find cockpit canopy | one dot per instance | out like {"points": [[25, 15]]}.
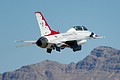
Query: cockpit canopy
{"points": [[80, 28]]}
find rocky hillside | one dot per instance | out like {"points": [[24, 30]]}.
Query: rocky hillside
{"points": [[102, 64], [0, 76]]}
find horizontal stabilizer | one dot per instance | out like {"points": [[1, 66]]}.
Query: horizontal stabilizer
{"points": [[27, 43]]}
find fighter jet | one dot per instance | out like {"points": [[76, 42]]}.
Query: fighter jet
{"points": [[50, 39]]}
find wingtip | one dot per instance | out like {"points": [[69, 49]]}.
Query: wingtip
{"points": [[101, 37]]}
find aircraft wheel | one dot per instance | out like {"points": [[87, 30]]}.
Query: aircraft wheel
{"points": [[49, 50]]}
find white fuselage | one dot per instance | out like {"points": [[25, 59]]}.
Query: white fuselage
{"points": [[70, 35]]}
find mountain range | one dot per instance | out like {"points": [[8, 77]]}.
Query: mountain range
{"points": [[103, 63]]}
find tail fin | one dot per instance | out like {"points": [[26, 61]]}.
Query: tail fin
{"points": [[43, 25]]}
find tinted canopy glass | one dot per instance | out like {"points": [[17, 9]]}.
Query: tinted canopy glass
{"points": [[80, 28]]}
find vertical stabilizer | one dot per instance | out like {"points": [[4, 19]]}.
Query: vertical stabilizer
{"points": [[43, 25]]}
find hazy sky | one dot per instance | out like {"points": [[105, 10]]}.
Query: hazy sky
{"points": [[18, 22]]}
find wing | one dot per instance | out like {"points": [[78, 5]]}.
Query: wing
{"points": [[72, 43], [64, 42], [61, 41]]}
